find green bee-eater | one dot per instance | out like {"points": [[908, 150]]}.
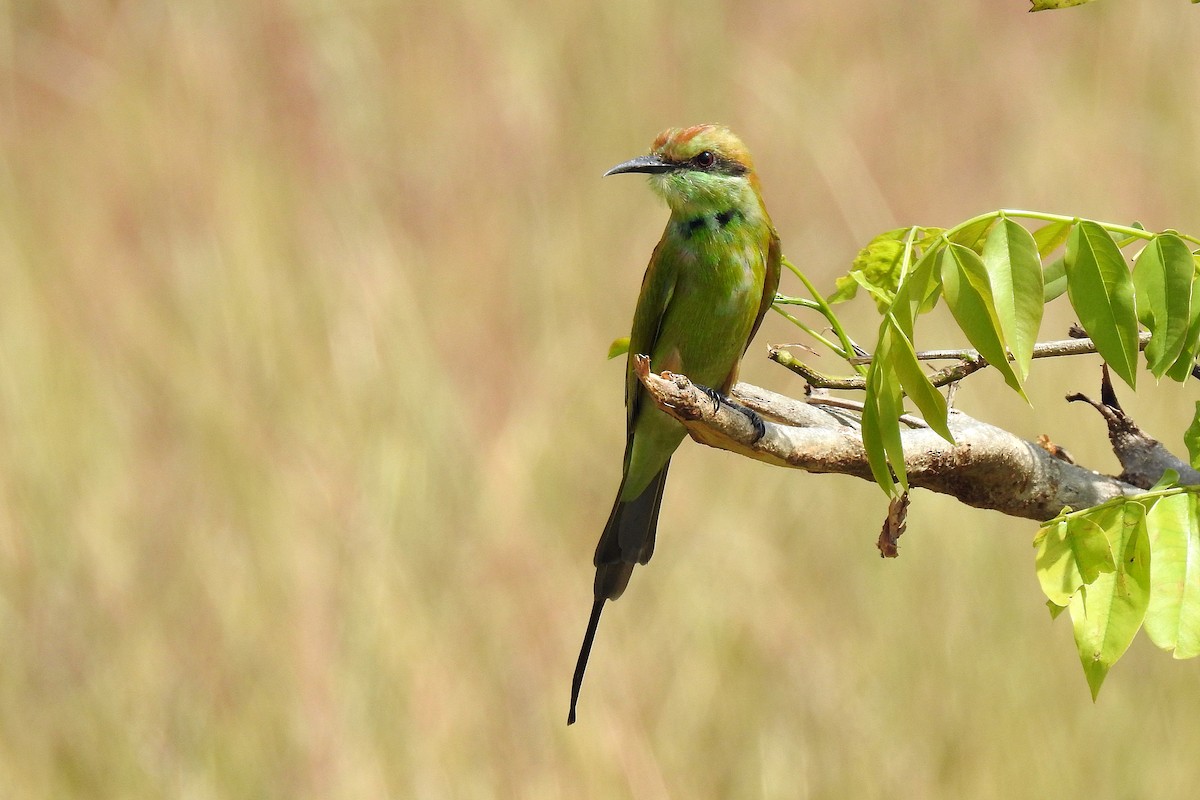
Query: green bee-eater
{"points": [[710, 281]]}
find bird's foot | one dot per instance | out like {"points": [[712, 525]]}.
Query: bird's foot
{"points": [[715, 396], [760, 427]]}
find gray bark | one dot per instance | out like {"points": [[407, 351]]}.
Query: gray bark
{"points": [[985, 467]]}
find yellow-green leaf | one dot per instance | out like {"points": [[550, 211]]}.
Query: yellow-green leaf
{"points": [[915, 382], [1191, 439], [973, 235], [918, 291], [876, 268], [1168, 480], [1051, 237], [1173, 616], [844, 288], [1014, 269], [1054, 280], [883, 298], [619, 347], [882, 407], [1162, 280], [969, 296], [1108, 612], [1049, 5], [1182, 367], [1070, 556], [1101, 292]]}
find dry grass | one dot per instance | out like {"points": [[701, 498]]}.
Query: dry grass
{"points": [[307, 432]]}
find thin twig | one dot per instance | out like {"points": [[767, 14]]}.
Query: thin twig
{"points": [[1063, 347], [970, 361], [818, 379], [829, 401]]}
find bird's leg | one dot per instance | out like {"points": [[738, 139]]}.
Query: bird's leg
{"points": [[760, 428]]}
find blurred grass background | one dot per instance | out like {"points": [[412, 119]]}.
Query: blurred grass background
{"points": [[306, 432]]}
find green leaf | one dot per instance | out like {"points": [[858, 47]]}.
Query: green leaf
{"points": [[1051, 237], [872, 436], [880, 259], [1048, 5], [1149, 285], [928, 236], [882, 407], [1162, 280], [1070, 554], [876, 267], [915, 382], [918, 291], [1167, 480], [1173, 616], [884, 401], [619, 347], [1054, 279], [1191, 438], [922, 287], [1015, 275], [891, 406], [845, 288], [974, 235], [883, 298], [1108, 612], [969, 296], [1101, 292], [1182, 367], [895, 367]]}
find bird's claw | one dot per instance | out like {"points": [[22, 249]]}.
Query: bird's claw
{"points": [[715, 396], [760, 427]]}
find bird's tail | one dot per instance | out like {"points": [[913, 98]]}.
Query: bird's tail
{"points": [[628, 540]]}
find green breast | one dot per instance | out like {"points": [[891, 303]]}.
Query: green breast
{"points": [[718, 293]]}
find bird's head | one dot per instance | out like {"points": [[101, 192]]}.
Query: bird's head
{"points": [[698, 170]]}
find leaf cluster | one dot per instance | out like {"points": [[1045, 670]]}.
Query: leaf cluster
{"points": [[990, 273], [1130, 563], [1050, 5]]}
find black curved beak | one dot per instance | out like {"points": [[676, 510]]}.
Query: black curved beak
{"points": [[651, 164]]}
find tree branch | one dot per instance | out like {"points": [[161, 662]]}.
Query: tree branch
{"points": [[986, 467], [1143, 458]]}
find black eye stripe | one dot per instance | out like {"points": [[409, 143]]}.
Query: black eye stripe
{"points": [[709, 161], [730, 167]]}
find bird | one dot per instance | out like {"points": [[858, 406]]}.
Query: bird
{"points": [[710, 281]]}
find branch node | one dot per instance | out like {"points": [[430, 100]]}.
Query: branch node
{"points": [[1143, 458]]}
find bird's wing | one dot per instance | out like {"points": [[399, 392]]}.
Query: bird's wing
{"points": [[770, 282], [658, 285]]}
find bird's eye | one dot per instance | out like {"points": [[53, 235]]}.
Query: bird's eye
{"points": [[705, 159]]}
